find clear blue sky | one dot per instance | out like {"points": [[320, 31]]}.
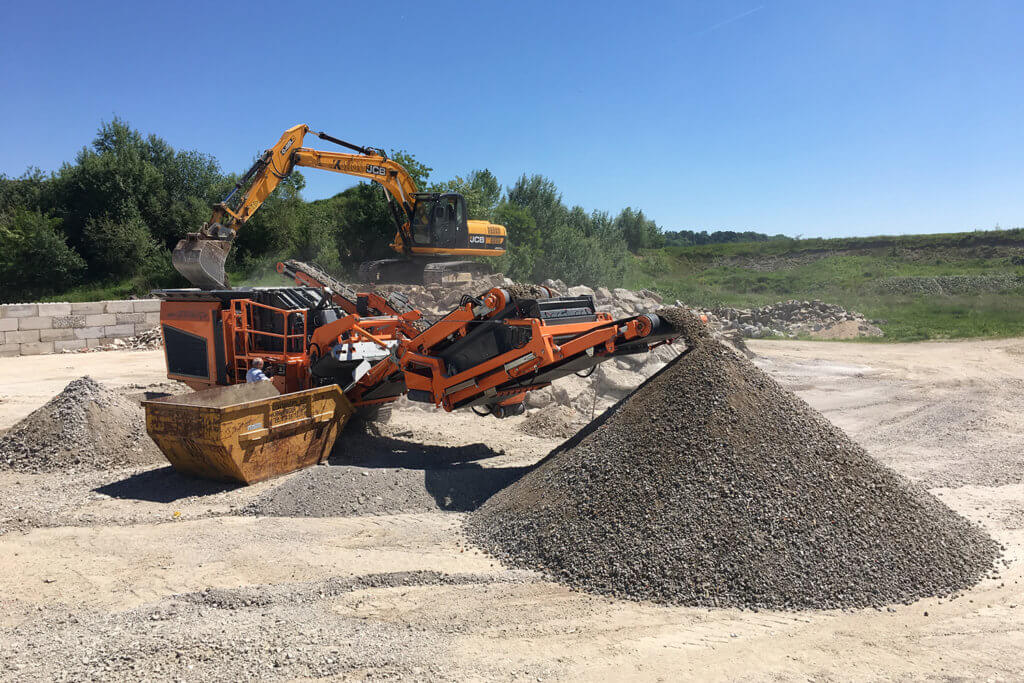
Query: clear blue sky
{"points": [[801, 117]]}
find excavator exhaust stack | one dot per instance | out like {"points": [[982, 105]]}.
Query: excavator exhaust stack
{"points": [[201, 261]]}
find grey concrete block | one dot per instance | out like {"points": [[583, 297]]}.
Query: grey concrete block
{"points": [[119, 330], [87, 307], [119, 306], [54, 309], [8, 324], [19, 310], [68, 321], [39, 323], [21, 337], [142, 327], [8, 350], [71, 345], [146, 305], [36, 348], [100, 319], [56, 335], [125, 318], [153, 318], [88, 332]]}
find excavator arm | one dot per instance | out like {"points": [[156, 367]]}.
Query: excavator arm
{"points": [[200, 257]]}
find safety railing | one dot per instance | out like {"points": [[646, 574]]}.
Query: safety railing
{"points": [[253, 339]]}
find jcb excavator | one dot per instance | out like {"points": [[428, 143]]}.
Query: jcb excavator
{"points": [[431, 226]]}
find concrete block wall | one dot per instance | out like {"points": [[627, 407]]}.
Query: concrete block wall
{"points": [[30, 329]]}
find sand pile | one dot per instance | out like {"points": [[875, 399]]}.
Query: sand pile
{"points": [[85, 427], [552, 422], [713, 485]]}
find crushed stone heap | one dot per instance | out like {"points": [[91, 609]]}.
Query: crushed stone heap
{"points": [[87, 426], [712, 485]]}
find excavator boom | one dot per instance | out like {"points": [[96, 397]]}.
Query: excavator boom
{"points": [[201, 256]]}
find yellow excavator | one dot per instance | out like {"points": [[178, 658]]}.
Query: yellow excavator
{"points": [[432, 226]]}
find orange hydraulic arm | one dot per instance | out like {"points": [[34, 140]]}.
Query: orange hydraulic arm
{"points": [[275, 164]]}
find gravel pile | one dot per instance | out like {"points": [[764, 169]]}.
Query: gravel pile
{"points": [[712, 485], [85, 427]]}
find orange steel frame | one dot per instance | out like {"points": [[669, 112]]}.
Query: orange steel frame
{"points": [[427, 373], [244, 347], [410, 349]]}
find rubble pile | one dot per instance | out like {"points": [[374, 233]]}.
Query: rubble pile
{"points": [[794, 318], [149, 339]]}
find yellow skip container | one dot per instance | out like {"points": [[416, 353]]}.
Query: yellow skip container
{"points": [[247, 432]]}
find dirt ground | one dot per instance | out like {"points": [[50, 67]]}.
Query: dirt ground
{"points": [[143, 573]]}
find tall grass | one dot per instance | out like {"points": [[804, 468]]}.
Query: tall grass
{"points": [[852, 273]]}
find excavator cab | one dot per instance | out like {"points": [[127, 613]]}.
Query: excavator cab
{"points": [[439, 221]]}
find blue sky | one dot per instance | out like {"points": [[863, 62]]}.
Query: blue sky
{"points": [[799, 117]]}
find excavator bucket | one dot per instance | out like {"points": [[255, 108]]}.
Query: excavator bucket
{"points": [[201, 261], [246, 433]]}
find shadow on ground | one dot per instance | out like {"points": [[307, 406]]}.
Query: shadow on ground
{"points": [[371, 474], [162, 485], [365, 474]]}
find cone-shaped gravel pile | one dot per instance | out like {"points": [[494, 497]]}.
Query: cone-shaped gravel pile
{"points": [[713, 485], [85, 427]]}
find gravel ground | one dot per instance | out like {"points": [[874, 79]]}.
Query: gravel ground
{"points": [[236, 634], [712, 485], [130, 574], [85, 427]]}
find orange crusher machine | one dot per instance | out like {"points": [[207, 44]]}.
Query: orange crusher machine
{"points": [[486, 354]]}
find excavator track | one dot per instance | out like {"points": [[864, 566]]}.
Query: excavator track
{"points": [[391, 271], [415, 272], [434, 273]]}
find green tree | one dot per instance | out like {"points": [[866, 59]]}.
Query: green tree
{"points": [[116, 247], [541, 198], [26, 192], [419, 171], [571, 256], [271, 230], [35, 258], [639, 231], [125, 177], [523, 241], [481, 190]]}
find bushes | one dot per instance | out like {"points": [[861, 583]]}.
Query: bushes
{"points": [[35, 258], [116, 248]]}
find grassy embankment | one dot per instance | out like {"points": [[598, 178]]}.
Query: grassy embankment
{"points": [[922, 286]]}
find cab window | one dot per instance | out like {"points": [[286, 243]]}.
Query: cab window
{"points": [[421, 223]]}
